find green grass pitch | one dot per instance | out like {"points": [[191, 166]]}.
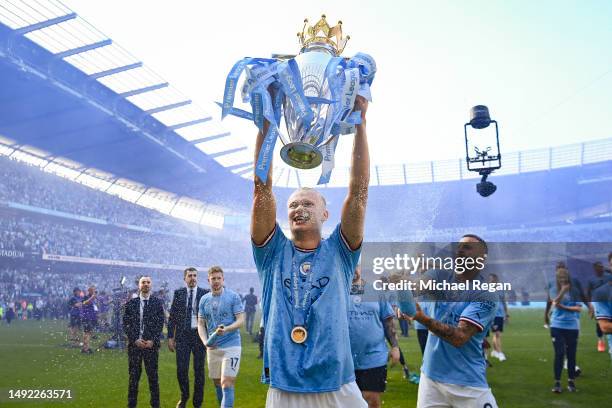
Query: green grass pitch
{"points": [[32, 355]]}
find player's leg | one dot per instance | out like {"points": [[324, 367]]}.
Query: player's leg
{"points": [[430, 394], [260, 341], [87, 330], [558, 341], [497, 340], [413, 378], [571, 341], [372, 383], [469, 397], [601, 345], [422, 336], [229, 372], [215, 361]]}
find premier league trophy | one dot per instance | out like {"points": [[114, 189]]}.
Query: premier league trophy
{"points": [[314, 92]]}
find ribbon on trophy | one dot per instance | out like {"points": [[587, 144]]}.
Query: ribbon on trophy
{"points": [[315, 118]]}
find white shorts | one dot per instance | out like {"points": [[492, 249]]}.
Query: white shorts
{"points": [[348, 396], [224, 362], [434, 394]]}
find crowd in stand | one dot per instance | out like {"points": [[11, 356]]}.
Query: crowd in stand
{"points": [[62, 237], [29, 185]]}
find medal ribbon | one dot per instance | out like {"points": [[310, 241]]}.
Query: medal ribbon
{"points": [[301, 308]]}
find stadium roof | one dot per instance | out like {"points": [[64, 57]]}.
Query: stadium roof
{"points": [[71, 91]]}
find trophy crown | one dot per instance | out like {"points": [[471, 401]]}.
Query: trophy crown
{"points": [[321, 32]]}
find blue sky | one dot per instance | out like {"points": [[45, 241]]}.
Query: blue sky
{"points": [[544, 68]]}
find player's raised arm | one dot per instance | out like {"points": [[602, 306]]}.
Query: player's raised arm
{"points": [[263, 216], [353, 210]]}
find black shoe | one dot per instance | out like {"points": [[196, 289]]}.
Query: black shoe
{"points": [[578, 371], [571, 387], [557, 388], [406, 374]]}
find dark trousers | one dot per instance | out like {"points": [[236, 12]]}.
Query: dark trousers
{"points": [[565, 342], [250, 316], [422, 336], [598, 330], [402, 359], [136, 357], [260, 339], [187, 345], [404, 327]]}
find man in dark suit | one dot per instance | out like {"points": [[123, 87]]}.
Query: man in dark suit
{"points": [[143, 321], [183, 337], [250, 306]]}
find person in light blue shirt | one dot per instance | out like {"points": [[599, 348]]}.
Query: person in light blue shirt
{"points": [[602, 299], [599, 279], [305, 287], [421, 330], [454, 369], [396, 304], [369, 324], [564, 326], [501, 315], [220, 314]]}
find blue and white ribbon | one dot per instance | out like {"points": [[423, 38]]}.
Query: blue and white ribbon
{"points": [[346, 80]]}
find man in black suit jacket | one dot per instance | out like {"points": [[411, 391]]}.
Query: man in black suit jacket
{"points": [[183, 337], [143, 321]]}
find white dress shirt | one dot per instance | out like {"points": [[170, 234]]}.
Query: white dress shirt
{"points": [[142, 299]]}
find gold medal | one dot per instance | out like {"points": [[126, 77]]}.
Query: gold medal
{"points": [[299, 334]]}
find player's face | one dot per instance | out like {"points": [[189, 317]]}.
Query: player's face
{"points": [[563, 276], [191, 279], [216, 281], [144, 284], [470, 247], [599, 269], [306, 211]]}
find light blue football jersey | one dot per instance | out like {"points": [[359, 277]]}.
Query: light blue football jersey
{"points": [[501, 312], [221, 310], [367, 332], [323, 362], [463, 365], [561, 318], [602, 301]]}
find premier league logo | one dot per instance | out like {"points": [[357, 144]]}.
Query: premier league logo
{"points": [[357, 299]]}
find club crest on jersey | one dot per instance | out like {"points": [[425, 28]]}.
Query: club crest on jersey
{"points": [[305, 268]]}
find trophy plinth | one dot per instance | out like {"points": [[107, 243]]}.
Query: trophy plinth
{"points": [[301, 155]]}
